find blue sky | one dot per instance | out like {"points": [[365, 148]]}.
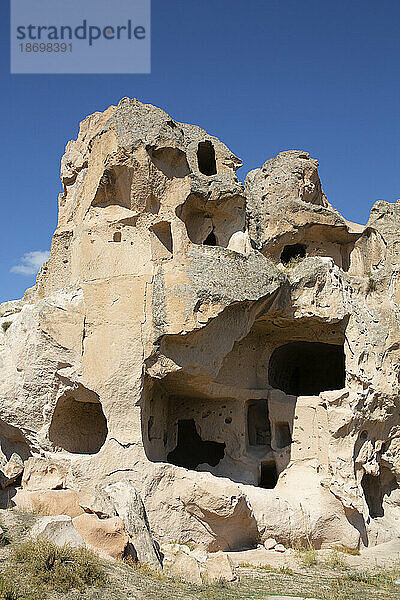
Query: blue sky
{"points": [[262, 75]]}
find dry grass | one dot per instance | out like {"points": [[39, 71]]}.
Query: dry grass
{"points": [[40, 571], [335, 561], [12, 588], [347, 550], [285, 570], [383, 577], [59, 568], [307, 555]]}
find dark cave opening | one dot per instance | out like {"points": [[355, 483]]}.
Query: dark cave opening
{"points": [[373, 494], [210, 240], [293, 251], [258, 424], [375, 487], [268, 476], [206, 158], [307, 368], [191, 450], [283, 437]]}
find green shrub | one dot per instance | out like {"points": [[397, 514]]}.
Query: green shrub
{"points": [[308, 556], [286, 570], [60, 568]]}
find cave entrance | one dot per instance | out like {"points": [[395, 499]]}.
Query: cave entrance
{"points": [[78, 427], [258, 424], [206, 158], [307, 368], [210, 240], [375, 487], [293, 252], [191, 451], [269, 475]]}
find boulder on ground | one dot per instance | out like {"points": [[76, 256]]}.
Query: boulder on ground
{"points": [[270, 544], [129, 507], [219, 567], [59, 530], [108, 537], [186, 567]]}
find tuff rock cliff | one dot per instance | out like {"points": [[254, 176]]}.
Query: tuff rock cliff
{"points": [[222, 358]]}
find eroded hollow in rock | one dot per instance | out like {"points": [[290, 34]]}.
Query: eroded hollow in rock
{"points": [[206, 158], [212, 223], [114, 187], [12, 440], [77, 426], [269, 475], [258, 425], [162, 231], [283, 437], [171, 161], [191, 451], [375, 488], [307, 368], [293, 252]]}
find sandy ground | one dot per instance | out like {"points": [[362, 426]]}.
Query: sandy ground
{"points": [[381, 555]]}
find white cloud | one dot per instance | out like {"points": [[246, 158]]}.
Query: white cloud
{"points": [[31, 262]]}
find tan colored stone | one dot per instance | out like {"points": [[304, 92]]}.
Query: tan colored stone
{"points": [[12, 471], [186, 567], [43, 474], [224, 511], [219, 567], [230, 352], [108, 537], [59, 530], [49, 502]]}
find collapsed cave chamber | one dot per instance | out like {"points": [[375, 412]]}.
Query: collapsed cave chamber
{"points": [[212, 223], [314, 240], [239, 424]]}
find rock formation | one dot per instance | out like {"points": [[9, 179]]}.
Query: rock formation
{"points": [[229, 351]]}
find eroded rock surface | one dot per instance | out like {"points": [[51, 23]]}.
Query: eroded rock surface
{"points": [[230, 352]]}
